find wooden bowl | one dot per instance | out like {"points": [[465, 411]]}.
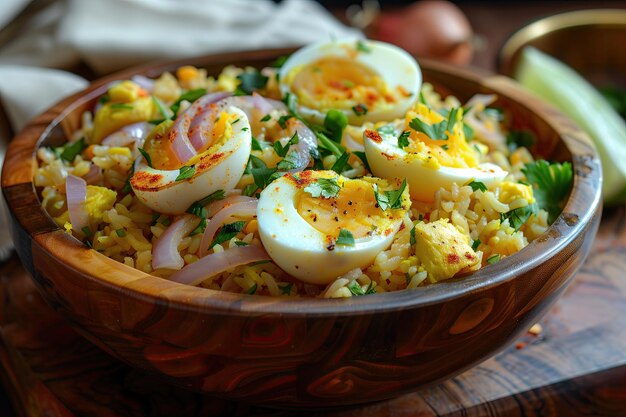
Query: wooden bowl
{"points": [[305, 352]]}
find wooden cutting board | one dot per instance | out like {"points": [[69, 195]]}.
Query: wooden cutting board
{"points": [[575, 366]]}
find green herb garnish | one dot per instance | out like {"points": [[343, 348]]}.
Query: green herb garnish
{"points": [[266, 118], [477, 185], [146, 156], [519, 138], [227, 232], [360, 109], [493, 259], [282, 150], [356, 289], [251, 290], [361, 155], [70, 151], [340, 165], [551, 184], [120, 232], [335, 122], [403, 139], [476, 244], [163, 109], [186, 172], [121, 106], [362, 47], [323, 187], [517, 217], [390, 199], [250, 81], [345, 238]]}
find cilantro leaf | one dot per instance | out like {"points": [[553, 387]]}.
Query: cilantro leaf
{"points": [[288, 162], [282, 120], [265, 118], [390, 199], [263, 176], [493, 259], [476, 244], [214, 196], [327, 144], [517, 217], [70, 151], [345, 238], [403, 139], [435, 131], [200, 228], [551, 184], [186, 172], [323, 187], [227, 232], [256, 145], [250, 81], [190, 96]]}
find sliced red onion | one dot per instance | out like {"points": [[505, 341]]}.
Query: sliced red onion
{"points": [[191, 130], [76, 193], [246, 209], [143, 82], [300, 154], [265, 105], [216, 263], [165, 254], [218, 205], [129, 134], [94, 175]]}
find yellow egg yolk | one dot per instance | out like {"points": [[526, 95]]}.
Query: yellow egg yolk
{"points": [[336, 82], [354, 208], [160, 150], [453, 152]]}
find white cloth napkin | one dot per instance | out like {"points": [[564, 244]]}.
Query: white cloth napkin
{"points": [[110, 35]]}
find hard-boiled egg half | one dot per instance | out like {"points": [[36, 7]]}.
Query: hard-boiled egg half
{"points": [[317, 225], [169, 187], [431, 152], [367, 80]]}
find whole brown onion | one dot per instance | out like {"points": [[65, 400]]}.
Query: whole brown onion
{"points": [[434, 29]]}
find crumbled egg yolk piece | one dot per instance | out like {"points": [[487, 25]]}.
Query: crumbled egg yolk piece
{"points": [[454, 152], [126, 92], [511, 191], [336, 82], [99, 200], [443, 250]]}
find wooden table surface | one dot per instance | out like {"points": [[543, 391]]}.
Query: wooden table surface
{"points": [[575, 366]]}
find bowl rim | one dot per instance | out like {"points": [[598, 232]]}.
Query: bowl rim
{"points": [[587, 178], [554, 23]]}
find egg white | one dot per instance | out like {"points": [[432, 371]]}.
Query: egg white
{"points": [[218, 168], [387, 160], [302, 250], [394, 65]]}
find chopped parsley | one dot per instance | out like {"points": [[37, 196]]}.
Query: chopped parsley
{"points": [[436, 131], [198, 209], [477, 185], [186, 172], [342, 162], [403, 139], [190, 96], [240, 243], [551, 184], [356, 289], [288, 163], [266, 118], [476, 244], [323, 187], [282, 150], [278, 62], [362, 47], [360, 109], [493, 259], [345, 238], [146, 156], [517, 217], [127, 187], [412, 239], [200, 228], [70, 151], [250, 81], [256, 145], [328, 145], [120, 232], [227, 232], [390, 199], [87, 231], [282, 120]]}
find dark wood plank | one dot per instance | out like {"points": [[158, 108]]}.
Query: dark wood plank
{"points": [[576, 366]]}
